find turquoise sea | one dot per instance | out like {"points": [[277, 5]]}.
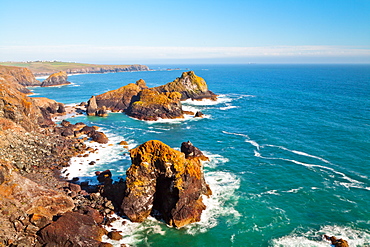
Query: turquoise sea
{"points": [[289, 149]]}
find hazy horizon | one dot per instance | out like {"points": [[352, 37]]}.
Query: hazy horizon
{"points": [[171, 32]]}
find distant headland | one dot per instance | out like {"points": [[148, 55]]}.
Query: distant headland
{"points": [[46, 68]]}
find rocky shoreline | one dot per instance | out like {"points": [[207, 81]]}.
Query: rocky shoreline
{"points": [[40, 208]]}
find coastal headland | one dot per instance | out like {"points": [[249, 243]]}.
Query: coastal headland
{"points": [[39, 207], [46, 68]]}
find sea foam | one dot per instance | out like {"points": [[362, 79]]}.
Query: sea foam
{"points": [[314, 238]]}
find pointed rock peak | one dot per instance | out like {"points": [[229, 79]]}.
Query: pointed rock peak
{"points": [[142, 84]]}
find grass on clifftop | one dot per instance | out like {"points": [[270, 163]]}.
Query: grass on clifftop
{"points": [[49, 67]]}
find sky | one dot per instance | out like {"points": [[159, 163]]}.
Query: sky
{"points": [[186, 31]]}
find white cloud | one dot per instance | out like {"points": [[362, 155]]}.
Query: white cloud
{"points": [[86, 53]]}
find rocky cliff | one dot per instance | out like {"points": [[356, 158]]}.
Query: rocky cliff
{"points": [[23, 76], [190, 86], [56, 79], [162, 179], [107, 69]]}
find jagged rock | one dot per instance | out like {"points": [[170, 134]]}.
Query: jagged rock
{"points": [[162, 179], [151, 105], [190, 86], [72, 229], [104, 176], [56, 79], [30, 197], [123, 143], [20, 109], [119, 99], [91, 106], [102, 112], [199, 114], [23, 76], [191, 152], [114, 235]]}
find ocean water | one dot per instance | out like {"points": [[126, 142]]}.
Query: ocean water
{"points": [[289, 149]]}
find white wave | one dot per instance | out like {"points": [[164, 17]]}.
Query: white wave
{"points": [[75, 85], [133, 233], [353, 183], [293, 190], [299, 153], [315, 238], [248, 140], [104, 154], [214, 160], [228, 106], [221, 203], [206, 102]]}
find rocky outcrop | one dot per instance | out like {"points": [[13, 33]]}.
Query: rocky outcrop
{"points": [[190, 86], [150, 105], [72, 229], [115, 100], [23, 76], [56, 79], [141, 102], [91, 107], [18, 108], [162, 179]]}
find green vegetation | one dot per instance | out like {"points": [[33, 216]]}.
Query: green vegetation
{"points": [[56, 66]]}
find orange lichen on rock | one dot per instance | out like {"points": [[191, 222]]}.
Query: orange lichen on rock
{"points": [[162, 179], [189, 85], [56, 79]]}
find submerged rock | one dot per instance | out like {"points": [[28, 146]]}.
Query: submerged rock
{"points": [[161, 179]]}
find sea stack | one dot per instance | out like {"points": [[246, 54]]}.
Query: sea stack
{"points": [[162, 179], [56, 79]]}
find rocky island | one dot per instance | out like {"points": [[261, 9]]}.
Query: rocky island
{"points": [[141, 102], [56, 79]]}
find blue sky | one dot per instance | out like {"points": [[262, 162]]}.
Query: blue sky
{"points": [[201, 31]]}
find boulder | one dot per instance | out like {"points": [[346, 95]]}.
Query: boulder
{"points": [[199, 114], [161, 179], [102, 112], [99, 137], [72, 229], [151, 105], [56, 79], [191, 151]]}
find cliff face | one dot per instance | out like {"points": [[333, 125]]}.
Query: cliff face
{"points": [[18, 108], [162, 179], [56, 79], [120, 99], [107, 69], [190, 86], [23, 76]]}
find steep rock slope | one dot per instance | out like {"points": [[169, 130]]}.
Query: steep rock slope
{"points": [[162, 179]]}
